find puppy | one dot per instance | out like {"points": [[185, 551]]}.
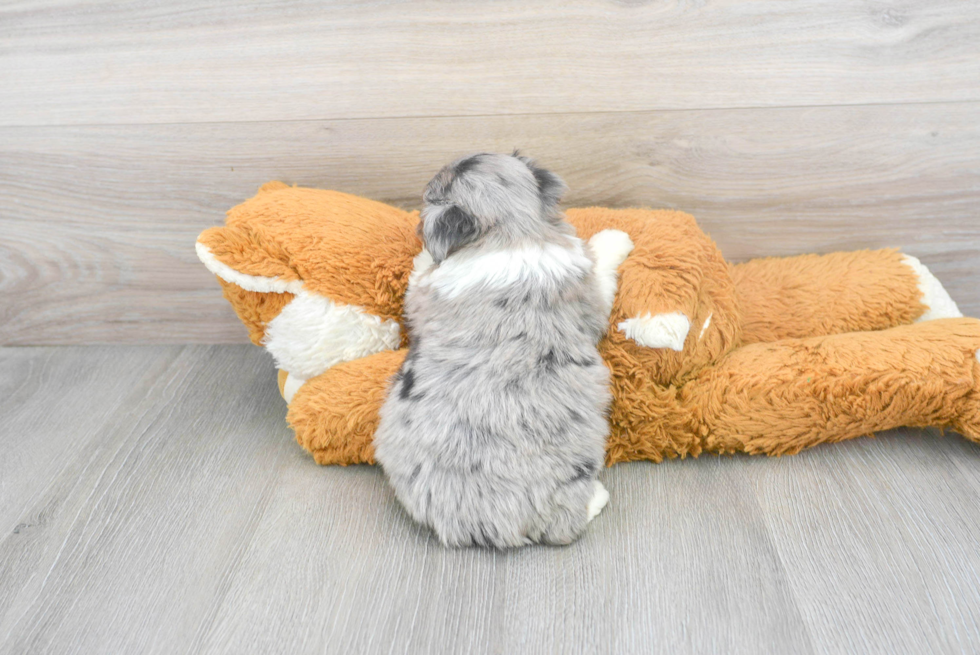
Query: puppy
{"points": [[494, 428]]}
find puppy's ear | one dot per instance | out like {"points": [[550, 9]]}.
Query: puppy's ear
{"points": [[449, 231], [550, 187]]}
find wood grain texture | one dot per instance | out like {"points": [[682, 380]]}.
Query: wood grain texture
{"points": [[104, 62], [648, 577], [49, 417], [128, 548], [191, 522], [99, 222], [881, 537]]}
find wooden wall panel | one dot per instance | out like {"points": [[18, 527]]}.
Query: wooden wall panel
{"points": [[97, 223], [105, 62]]}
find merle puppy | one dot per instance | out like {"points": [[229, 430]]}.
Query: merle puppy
{"points": [[494, 428]]}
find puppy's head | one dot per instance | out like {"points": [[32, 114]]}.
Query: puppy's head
{"points": [[488, 198]]}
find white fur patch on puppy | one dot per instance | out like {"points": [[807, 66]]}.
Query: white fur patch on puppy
{"points": [[466, 273], [978, 355], [291, 386], [312, 333], [610, 247], [660, 331], [599, 500], [934, 296]]}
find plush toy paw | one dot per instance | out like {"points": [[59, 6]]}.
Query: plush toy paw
{"points": [[599, 500], [660, 331], [610, 248], [934, 296]]}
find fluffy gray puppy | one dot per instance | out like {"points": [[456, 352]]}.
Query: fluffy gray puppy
{"points": [[494, 428]]}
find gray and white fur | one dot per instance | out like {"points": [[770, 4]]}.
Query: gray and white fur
{"points": [[494, 429]]}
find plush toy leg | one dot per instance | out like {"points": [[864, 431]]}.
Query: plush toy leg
{"points": [[781, 397], [814, 295], [335, 414]]}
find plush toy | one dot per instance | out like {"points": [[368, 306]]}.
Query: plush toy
{"points": [[770, 356]]}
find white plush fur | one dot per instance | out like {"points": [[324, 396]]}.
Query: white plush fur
{"points": [[312, 333], [291, 386], [256, 283], [660, 331], [934, 296], [610, 248], [599, 500], [350, 331], [467, 273], [704, 327]]}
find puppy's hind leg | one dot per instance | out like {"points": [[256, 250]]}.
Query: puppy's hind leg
{"points": [[573, 506], [598, 501]]}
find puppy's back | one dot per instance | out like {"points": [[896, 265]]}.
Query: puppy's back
{"points": [[496, 425]]}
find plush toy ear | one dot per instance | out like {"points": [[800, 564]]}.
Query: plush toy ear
{"points": [[238, 255], [255, 277], [447, 231]]}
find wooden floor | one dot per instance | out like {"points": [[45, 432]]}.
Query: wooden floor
{"points": [[153, 500]]}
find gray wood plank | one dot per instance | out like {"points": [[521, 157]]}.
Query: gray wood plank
{"points": [[55, 405], [99, 221], [74, 62], [879, 541], [193, 523], [680, 561], [673, 567], [130, 548]]}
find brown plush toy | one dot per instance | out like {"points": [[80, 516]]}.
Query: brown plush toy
{"points": [[770, 356]]}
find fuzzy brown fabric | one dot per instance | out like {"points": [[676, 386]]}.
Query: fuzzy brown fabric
{"points": [[798, 351], [814, 295], [346, 248]]}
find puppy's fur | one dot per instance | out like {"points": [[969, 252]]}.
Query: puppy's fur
{"points": [[494, 428]]}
